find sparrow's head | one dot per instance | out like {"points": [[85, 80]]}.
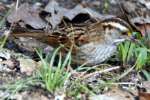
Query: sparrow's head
{"points": [[116, 30]]}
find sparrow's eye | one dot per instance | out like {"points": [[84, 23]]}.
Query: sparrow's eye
{"points": [[124, 33]]}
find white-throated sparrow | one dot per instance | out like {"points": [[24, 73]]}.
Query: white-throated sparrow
{"points": [[96, 43]]}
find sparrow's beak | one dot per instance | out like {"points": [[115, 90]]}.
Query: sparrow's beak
{"points": [[119, 40], [129, 34]]}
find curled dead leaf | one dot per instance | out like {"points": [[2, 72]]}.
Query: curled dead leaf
{"points": [[28, 15], [57, 13]]}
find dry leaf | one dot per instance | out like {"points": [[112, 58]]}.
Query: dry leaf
{"points": [[146, 3], [56, 13], [114, 94], [27, 66], [31, 95], [146, 85], [2, 7], [144, 96], [142, 24], [29, 15], [79, 9]]}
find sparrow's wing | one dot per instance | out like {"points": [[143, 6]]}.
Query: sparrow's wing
{"points": [[53, 40]]}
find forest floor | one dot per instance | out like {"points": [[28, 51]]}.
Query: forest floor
{"points": [[37, 57]]}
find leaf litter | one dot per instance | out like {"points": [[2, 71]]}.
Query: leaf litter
{"points": [[31, 18]]}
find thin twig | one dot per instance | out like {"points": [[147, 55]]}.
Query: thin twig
{"points": [[100, 72], [125, 83], [17, 5], [125, 73]]}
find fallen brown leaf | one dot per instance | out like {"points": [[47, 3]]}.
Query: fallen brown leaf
{"points": [[114, 94], [57, 13], [28, 15], [144, 96]]}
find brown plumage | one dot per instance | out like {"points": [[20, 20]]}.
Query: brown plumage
{"points": [[95, 44]]}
